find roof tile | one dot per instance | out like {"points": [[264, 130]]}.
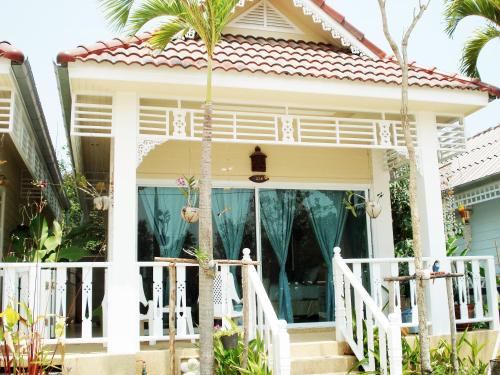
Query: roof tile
{"points": [[269, 56]]}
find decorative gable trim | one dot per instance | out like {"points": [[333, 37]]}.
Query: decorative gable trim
{"points": [[321, 13], [264, 16]]}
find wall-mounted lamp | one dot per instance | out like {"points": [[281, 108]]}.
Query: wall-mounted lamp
{"points": [[258, 159]]}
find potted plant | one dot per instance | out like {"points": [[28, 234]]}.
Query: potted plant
{"points": [[188, 186], [228, 335], [372, 207]]}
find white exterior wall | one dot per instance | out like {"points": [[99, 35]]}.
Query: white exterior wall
{"points": [[431, 217], [122, 288]]}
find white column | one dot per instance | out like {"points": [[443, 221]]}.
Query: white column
{"points": [[382, 236], [122, 289], [431, 218]]}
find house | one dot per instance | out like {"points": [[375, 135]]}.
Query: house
{"points": [[474, 177], [26, 152], [322, 103]]}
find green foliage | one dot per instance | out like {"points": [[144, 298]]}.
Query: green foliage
{"points": [[40, 243], [489, 10], [21, 344], [228, 361], [441, 364], [401, 215]]}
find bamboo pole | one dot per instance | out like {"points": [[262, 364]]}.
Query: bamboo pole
{"points": [[172, 277], [437, 275], [246, 322], [453, 328], [216, 261]]}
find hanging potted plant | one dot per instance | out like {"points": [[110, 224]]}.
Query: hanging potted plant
{"points": [[188, 186], [372, 207]]}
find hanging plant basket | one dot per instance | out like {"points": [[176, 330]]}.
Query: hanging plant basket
{"points": [[373, 208], [229, 342], [190, 214], [101, 203]]}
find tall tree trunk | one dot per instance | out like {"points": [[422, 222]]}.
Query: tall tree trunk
{"points": [[415, 219], [401, 55], [206, 277]]}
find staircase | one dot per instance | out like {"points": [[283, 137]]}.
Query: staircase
{"points": [[314, 351]]}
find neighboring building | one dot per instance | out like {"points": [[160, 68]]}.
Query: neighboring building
{"points": [[25, 146], [475, 178]]}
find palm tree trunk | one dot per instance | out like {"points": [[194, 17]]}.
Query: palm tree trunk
{"points": [[415, 219], [206, 277]]}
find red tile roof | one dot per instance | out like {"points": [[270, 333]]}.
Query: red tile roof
{"points": [[269, 56], [9, 52]]}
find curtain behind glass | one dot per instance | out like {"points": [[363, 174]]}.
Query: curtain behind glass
{"points": [[163, 215], [277, 208], [328, 216], [230, 210]]}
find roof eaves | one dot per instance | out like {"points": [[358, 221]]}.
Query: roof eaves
{"points": [[350, 28], [9, 52], [26, 83]]}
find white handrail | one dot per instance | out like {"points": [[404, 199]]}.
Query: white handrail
{"points": [[476, 288], [263, 320], [366, 311]]}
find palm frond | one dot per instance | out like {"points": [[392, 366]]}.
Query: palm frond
{"points": [[117, 12], [166, 33], [457, 10], [154, 9], [472, 48]]}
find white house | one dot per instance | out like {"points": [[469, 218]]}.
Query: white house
{"points": [[322, 102]]}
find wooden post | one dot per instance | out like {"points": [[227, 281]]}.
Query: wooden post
{"points": [[246, 322], [171, 315], [453, 328]]}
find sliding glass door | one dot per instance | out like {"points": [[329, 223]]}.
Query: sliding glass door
{"points": [[297, 231]]}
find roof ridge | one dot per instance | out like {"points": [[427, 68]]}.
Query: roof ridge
{"points": [[8, 51], [484, 132]]}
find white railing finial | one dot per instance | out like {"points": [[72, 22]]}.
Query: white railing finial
{"points": [[336, 252], [246, 254]]}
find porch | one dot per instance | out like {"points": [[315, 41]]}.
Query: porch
{"points": [[75, 291]]}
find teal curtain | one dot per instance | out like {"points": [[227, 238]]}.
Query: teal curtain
{"points": [[328, 217], [277, 208], [162, 207], [230, 210]]}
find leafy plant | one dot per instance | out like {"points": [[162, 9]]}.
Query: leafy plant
{"points": [[188, 186], [228, 361], [22, 350], [39, 243], [441, 363]]}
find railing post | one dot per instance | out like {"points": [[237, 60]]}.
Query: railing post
{"points": [[491, 293], [394, 344], [281, 350], [338, 279]]}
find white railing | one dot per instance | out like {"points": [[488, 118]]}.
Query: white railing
{"points": [[473, 291], [262, 320], [245, 126], [264, 323], [153, 292], [357, 315], [71, 291]]}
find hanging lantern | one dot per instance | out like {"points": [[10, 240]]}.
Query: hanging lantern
{"points": [[258, 159]]}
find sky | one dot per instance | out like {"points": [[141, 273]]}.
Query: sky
{"points": [[42, 29]]}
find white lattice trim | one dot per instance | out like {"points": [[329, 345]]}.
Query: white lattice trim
{"points": [[479, 195], [145, 146]]}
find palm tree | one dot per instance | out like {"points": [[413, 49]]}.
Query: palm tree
{"points": [[489, 10], [176, 18]]}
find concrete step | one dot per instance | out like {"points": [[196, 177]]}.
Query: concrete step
{"points": [[322, 364], [315, 348]]}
